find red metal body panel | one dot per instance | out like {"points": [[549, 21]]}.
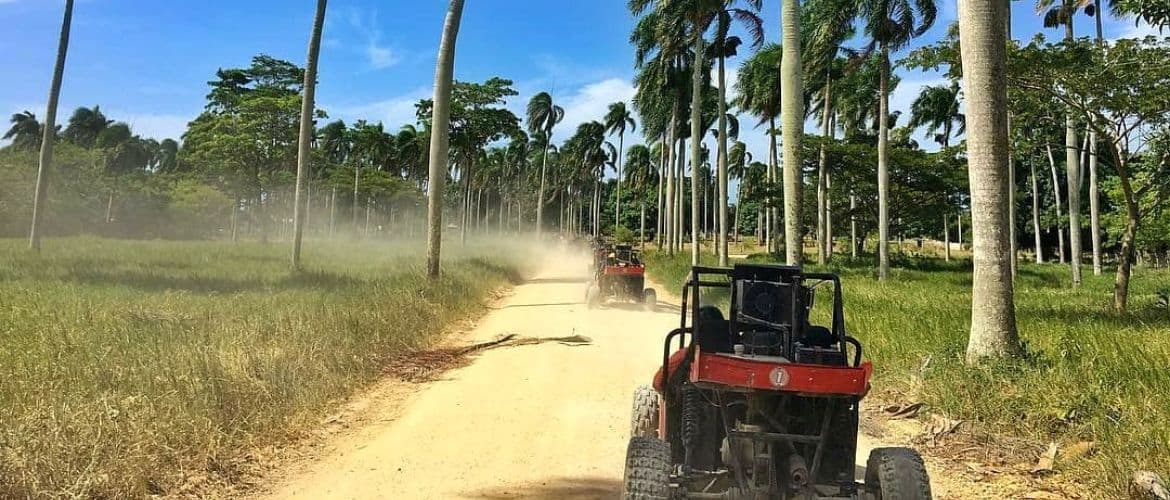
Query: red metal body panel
{"points": [[736, 371], [625, 270]]}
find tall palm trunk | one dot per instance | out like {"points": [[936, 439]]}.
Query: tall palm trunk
{"points": [[852, 226], [1059, 213], [1036, 213], [679, 213], [356, 176], [50, 132], [540, 192], [1073, 174], [946, 239], [772, 222], [642, 225], [696, 141], [332, 211], [984, 54], [440, 117], [1094, 190], [659, 217], [306, 133], [670, 188], [883, 166], [738, 211], [823, 177], [721, 224], [617, 200], [792, 123]]}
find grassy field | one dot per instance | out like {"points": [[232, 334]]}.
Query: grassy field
{"points": [[1090, 374], [129, 365]]}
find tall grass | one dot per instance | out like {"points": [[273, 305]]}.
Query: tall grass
{"points": [[124, 366], [1090, 373]]}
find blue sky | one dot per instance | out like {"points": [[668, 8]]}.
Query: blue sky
{"points": [[147, 62]]}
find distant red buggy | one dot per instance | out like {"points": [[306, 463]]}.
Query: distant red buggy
{"points": [[619, 274]]}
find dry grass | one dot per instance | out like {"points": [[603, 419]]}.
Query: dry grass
{"points": [[128, 366]]}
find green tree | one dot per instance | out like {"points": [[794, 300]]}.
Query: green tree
{"points": [[890, 25], [85, 126], [617, 119], [25, 132], [543, 115], [937, 109], [1120, 93]]}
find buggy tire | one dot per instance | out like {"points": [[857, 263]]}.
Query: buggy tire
{"points": [[647, 475], [644, 417], [649, 299], [897, 474], [592, 296]]}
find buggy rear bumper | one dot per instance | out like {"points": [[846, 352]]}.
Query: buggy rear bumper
{"points": [[744, 373]]}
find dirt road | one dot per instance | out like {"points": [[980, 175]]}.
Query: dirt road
{"points": [[545, 420]]}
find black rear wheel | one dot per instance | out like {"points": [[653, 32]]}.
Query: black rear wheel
{"points": [[647, 470], [897, 474]]}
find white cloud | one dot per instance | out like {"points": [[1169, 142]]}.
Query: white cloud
{"points": [[151, 125], [393, 112], [590, 102], [1141, 29], [378, 55]]}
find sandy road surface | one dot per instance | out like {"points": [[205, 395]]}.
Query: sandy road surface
{"points": [[545, 420]]}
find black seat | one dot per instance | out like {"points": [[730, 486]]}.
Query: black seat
{"points": [[712, 331]]}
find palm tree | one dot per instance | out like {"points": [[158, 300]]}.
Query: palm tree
{"points": [[937, 109], [890, 25], [725, 46], [792, 125], [758, 89], [50, 130], [1061, 14], [616, 121], [85, 125], [304, 141], [543, 115], [641, 175], [440, 120], [26, 131], [993, 321]]}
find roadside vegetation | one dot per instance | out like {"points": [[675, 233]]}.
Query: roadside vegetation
{"points": [[1089, 373], [130, 367]]}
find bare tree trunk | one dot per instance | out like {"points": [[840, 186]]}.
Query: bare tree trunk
{"points": [[305, 139], [1059, 213], [642, 226], [617, 200], [792, 126], [1073, 174], [883, 167], [659, 216], [946, 238], [235, 218], [829, 216], [110, 207], [852, 226], [669, 169], [1036, 213], [440, 117], [332, 211], [984, 54], [696, 141], [721, 223], [770, 232], [49, 134], [366, 231], [823, 177], [1094, 205], [1012, 209]]}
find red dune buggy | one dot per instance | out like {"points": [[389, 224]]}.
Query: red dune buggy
{"points": [[620, 274], [760, 403]]}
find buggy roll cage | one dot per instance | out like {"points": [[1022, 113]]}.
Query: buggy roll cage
{"points": [[800, 302]]}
